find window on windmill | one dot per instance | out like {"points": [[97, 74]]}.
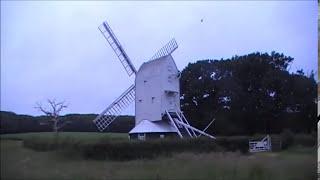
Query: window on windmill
{"points": [[152, 99], [170, 78], [140, 100], [142, 136], [145, 81]]}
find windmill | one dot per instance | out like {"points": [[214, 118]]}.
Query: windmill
{"points": [[156, 93]]}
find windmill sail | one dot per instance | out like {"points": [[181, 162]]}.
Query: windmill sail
{"points": [[117, 48], [165, 50], [113, 111]]}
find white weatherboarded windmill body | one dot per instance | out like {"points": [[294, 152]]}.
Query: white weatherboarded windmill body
{"points": [[156, 93]]}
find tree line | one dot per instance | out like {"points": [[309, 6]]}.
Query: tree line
{"points": [[14, 123]]}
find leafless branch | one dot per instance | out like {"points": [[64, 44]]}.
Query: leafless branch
{"points": [[46, 112], [54, 112]]}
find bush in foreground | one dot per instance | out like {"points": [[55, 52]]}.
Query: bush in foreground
{"points": [[127, 150], [115, 148]]}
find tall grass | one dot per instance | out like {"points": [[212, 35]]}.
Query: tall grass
{"points": [[296, 163]]}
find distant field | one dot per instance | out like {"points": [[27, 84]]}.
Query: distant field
{"points": [[297, 163], [83, 136]]}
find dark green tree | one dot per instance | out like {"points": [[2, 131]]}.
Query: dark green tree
{"points": [[249, 94]]}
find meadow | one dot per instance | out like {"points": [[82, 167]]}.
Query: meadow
{"points": [[81, 136], [18, 162]]}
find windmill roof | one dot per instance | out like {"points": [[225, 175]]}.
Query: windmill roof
{"points": [[146, 126], [158, 60]]}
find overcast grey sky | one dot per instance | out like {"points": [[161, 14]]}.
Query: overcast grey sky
{"points": [[55, 50]]}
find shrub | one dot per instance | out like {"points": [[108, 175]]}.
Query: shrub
{"points": [[305, 140], [127, 150], [240, 143], [287, 138]]}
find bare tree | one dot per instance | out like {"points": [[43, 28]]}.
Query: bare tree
{"points": [[54, 113]]}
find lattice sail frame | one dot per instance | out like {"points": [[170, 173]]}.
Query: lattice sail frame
{"points": [[167, 49], [117, 48], [113, 111], [115, 108]]}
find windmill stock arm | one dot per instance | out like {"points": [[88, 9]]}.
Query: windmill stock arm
{"points": [[117, 48]]}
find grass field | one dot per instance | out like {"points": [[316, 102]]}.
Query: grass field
{"points": [[82, 136], [17, 162]]}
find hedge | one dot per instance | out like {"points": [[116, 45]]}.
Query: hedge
{"points": [[126, 150], [123, 149]]}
